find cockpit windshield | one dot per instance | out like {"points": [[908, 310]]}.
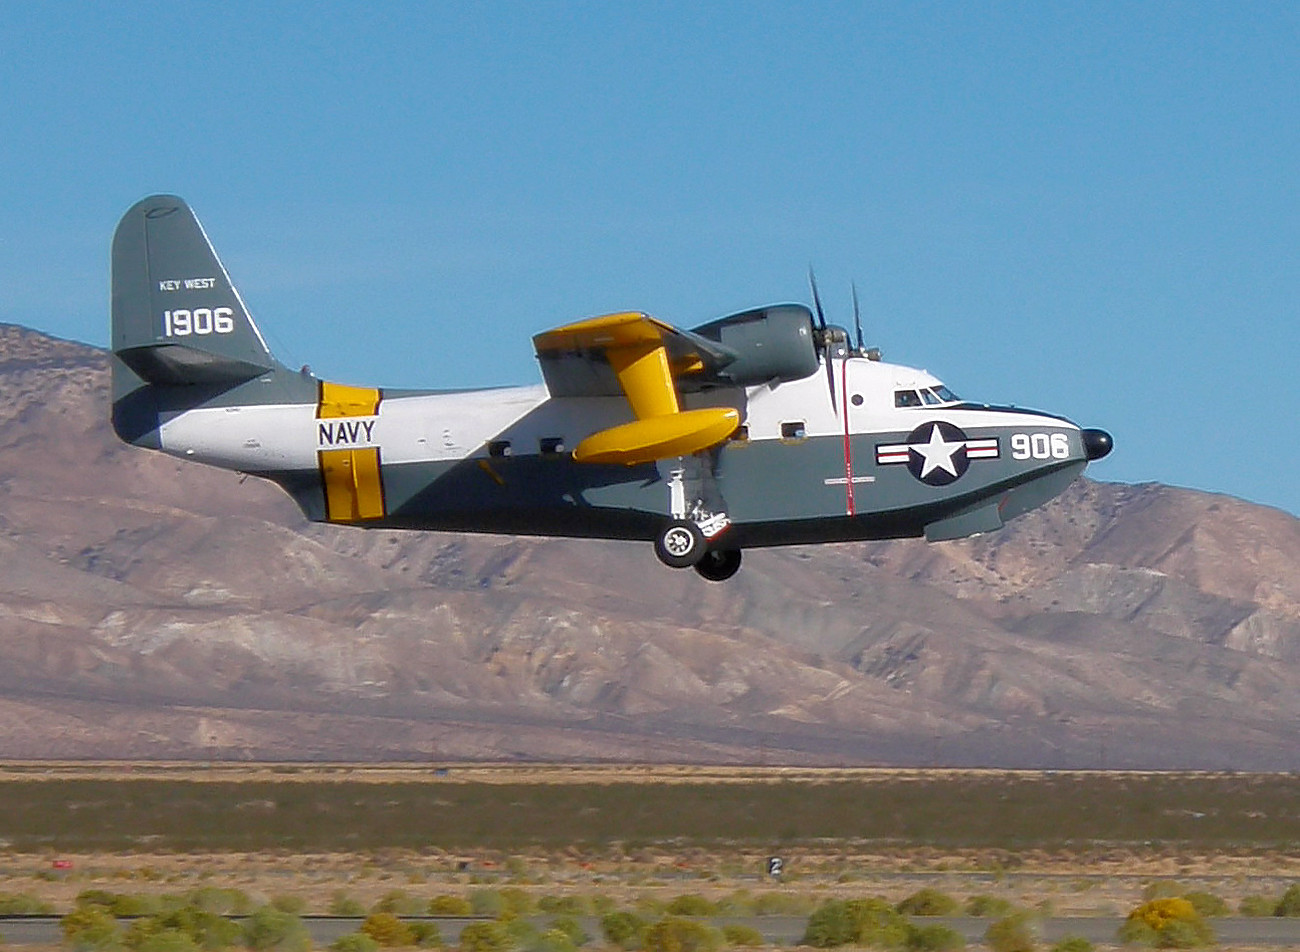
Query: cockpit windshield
{"points": [[924, 396]]}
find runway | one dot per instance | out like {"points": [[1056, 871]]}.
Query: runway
{"points": [[778, 930]]}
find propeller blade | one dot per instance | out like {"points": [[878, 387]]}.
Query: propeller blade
{"points": [[817, 300], [857, 316], [823, 337], [830, 375]]}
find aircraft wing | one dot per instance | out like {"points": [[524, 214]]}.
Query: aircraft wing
{"points": [[575, 358], [647, 361]]}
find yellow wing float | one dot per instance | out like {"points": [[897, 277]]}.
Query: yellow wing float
{"points": [[644, 358]]}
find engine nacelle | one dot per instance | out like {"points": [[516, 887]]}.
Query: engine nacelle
{"points": [[773, 343]]}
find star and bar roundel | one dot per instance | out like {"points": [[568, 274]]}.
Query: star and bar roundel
{"points": [[937, 453]]}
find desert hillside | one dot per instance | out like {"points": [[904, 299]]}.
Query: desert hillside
{"points": [[155, 609]]}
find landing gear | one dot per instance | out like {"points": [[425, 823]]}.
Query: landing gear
{"points": [[681, 544], [698, 521], [718, 565]]}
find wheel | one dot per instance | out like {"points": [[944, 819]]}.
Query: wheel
{"points": [[718, 565], [681, 544]]}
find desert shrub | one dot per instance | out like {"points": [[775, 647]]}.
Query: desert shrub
{"points": [[1289, 904], [341, 904], [1137, 932], [167, 940], [1166, 923], [1206, 904], [277, 931], [649, 906], [674, 934], [691, 904], [564, 905], [518, 902], [387, 930], [91, 927], [500, 903], [23, 904], [206, 930], [486, 902], [1073, 943], [427, 935], [871, 922], [738, 935], [1256, 906], [1014, 933], [572, 928], [400, 903], [554, 940], [231, 902], [450, 906], [988, 907], [286, 903], [522, 933], [354, 942], [1181, 934], [1163, 889], [102, 899], [934, 938], [928, 902], [485, 937], [602, 904], [622, 929]]}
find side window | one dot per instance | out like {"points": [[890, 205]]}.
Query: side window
{"points": [[929, 398], [906, 398], [793, 430], [741, 435], [499, 448], [551, 445]]}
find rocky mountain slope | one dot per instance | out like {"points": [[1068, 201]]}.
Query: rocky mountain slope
{"points": [[154, 609]]}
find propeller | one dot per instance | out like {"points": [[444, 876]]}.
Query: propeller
{"points": [[823, 337]]}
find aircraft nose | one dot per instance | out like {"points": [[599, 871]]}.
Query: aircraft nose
{"points": [[1097, 443]]}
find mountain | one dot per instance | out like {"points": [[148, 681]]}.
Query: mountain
{"points": [[151, 608]]}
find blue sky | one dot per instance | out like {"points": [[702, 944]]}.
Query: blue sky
{"points": [[1092, 209]]}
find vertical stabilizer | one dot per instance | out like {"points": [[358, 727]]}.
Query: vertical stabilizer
{"points": [[177, 319], [181, 335]]}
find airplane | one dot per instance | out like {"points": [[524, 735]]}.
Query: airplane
{"points": [[766, 427]]}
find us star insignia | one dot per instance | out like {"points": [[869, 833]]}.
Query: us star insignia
{"points": [[937, 453]]}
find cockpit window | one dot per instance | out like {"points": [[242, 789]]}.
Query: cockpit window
{"points": [[929, 398], [906, 398], [946, 395]]}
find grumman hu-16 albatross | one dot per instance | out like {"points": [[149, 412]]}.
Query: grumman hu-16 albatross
{"points": [[767, 427]]}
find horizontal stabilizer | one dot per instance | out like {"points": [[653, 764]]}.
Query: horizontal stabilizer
{"points": [[644, 441]]}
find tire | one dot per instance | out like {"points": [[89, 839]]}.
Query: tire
{"points": [[718, 565], [680, 544]]}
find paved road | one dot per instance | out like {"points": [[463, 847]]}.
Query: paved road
{"points": [[781, 930]]}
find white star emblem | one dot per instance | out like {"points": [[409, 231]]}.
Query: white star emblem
{"points": [[938, 454]]}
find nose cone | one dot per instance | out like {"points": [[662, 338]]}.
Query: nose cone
{"points": [[1097, 443]]}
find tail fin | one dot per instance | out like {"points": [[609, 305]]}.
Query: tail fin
{"points": [[177, 319], [181, 335]]}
